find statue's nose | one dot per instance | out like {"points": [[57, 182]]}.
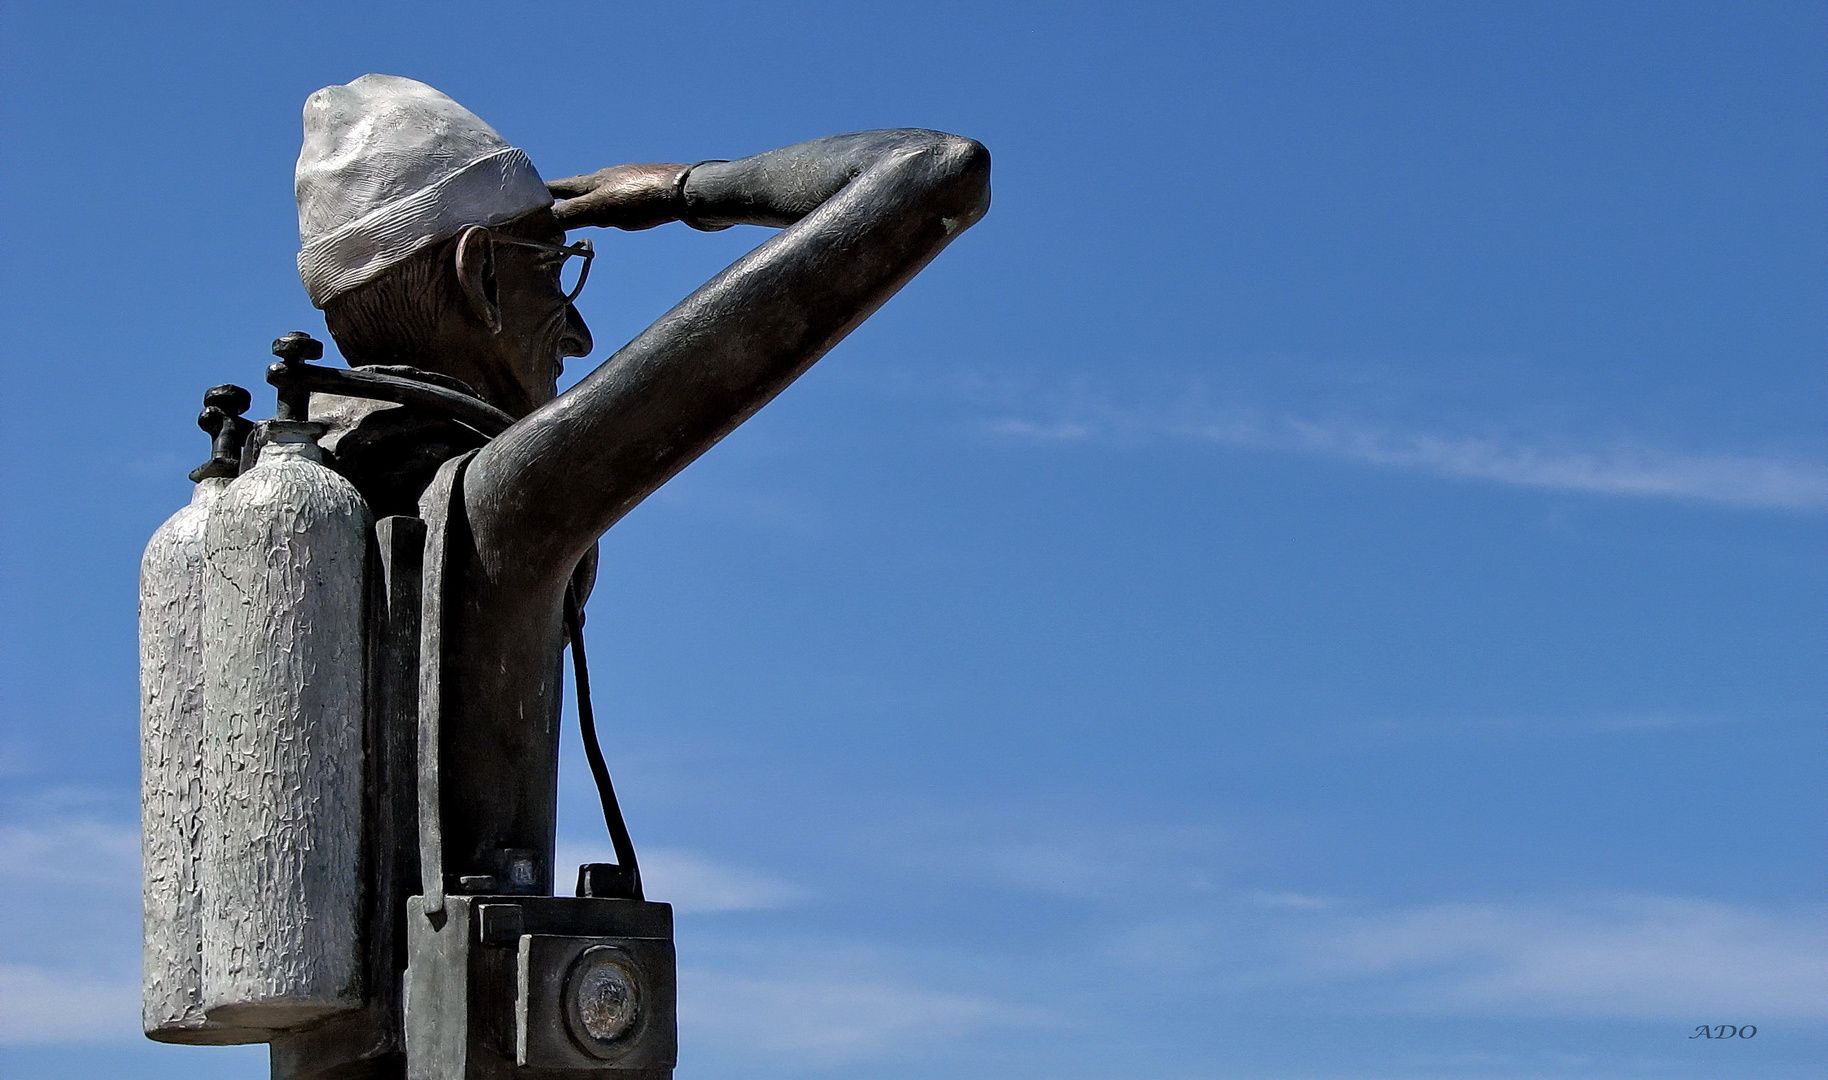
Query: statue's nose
{"points": [[576, 341]]}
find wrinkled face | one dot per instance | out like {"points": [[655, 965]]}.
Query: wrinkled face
{"points": [[539, 327]]}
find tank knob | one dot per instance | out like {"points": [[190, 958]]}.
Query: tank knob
{"points": [[297, 346], [221, 418], [293, 350]]}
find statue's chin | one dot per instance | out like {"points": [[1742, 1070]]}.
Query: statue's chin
{"points": [[524, 383]]}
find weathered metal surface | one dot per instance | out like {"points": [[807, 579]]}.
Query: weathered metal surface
{"points": [[171, 777], [490, 980], [368, 1043], [595, 1003], [379, 384], [436, 506], [222, 409], [294, 397], [283, 655]]}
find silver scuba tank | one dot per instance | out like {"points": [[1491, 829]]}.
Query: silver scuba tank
{"points": [[171, 743], [286, 551], [171, 776]]}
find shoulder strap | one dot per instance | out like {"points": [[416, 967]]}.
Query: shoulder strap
{"points": [[436, 506]]}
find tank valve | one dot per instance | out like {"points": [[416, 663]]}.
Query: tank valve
{"points": [[221, 417], [293, 350]]}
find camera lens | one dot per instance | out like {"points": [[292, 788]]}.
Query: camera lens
{"points": [[605, 1000]]}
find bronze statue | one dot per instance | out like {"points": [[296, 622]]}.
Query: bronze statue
{"points": [[441, 260]]}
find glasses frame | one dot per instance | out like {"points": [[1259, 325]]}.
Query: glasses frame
{"points": [[583, 249]]}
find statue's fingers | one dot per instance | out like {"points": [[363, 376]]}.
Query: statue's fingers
{"points": [[602, 210], [575, 213], [572, 186]]}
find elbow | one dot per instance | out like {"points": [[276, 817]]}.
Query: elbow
{"points": [[964, 158], [969, 162], [960, 175]]}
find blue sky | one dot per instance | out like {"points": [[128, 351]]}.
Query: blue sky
{"points": [[1325, 581]]}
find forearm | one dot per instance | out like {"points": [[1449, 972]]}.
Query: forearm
{"points": [[782, 186], [776, 188]]}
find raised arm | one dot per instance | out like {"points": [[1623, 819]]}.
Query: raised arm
{"points": [[862, 214]]}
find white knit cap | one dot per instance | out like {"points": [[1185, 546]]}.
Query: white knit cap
{"points": [[391, 165]]}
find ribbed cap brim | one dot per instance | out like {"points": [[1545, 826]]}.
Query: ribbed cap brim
{"points": [[488, 191]]}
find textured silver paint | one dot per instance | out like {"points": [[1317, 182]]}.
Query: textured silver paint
{"points": [[390, 165], [283, 657], [171, 777]]}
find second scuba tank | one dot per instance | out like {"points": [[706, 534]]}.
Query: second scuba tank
{"points": [[284, 669]]}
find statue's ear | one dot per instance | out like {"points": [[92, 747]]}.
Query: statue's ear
{"points": [[476, 273]]}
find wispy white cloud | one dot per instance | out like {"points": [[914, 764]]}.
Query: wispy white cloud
{"points": [[695, 884], [1298, 901], [72, 852], [1617, 469], [69, 964], [1030, 429], [1599, 466], [1636, 957], [1631, 958], [41, 1006], [829, 1016], [1204, 925]]}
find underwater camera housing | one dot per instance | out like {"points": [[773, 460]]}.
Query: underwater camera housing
{"points": [[550, 986]]}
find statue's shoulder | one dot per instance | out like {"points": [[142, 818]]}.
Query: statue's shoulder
{"points": [[390, 452]]}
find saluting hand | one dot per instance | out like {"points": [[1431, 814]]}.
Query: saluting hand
{"points": [[631, 197]]}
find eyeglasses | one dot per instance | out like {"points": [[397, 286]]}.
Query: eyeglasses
{"points": [[571, 275]]}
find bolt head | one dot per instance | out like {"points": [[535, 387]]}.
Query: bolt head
{"points": [[229, 398], [297, 346]]}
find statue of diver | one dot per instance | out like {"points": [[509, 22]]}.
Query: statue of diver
{"points": [[411, 541], [432, 244]]}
